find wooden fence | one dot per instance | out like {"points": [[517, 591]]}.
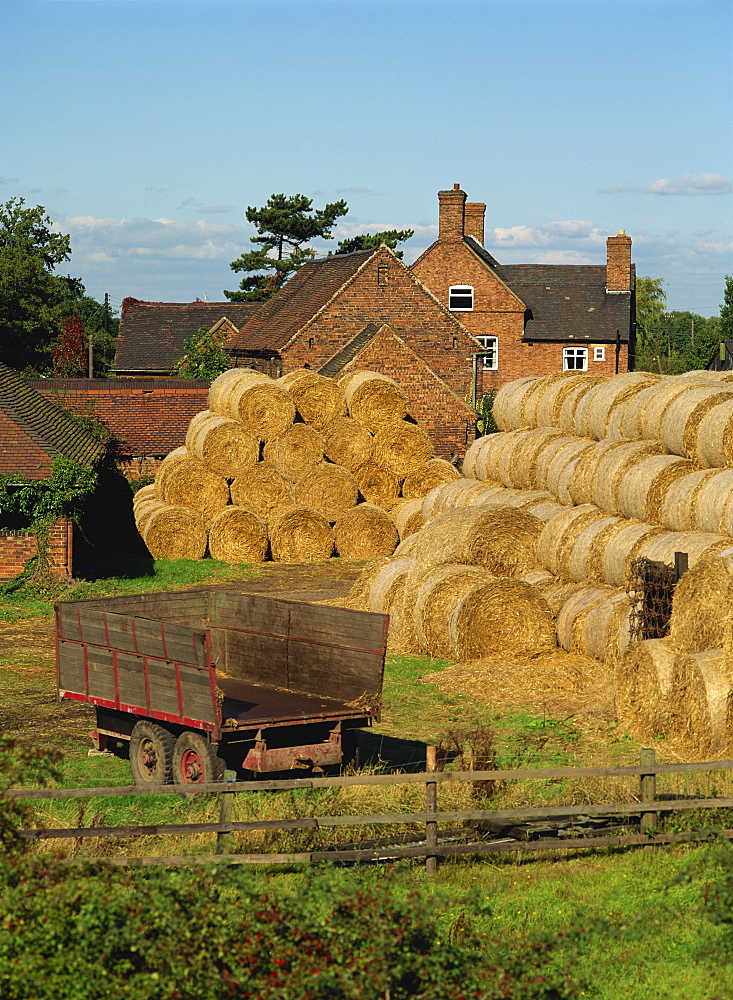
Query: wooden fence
{"points": [[648, 807]]}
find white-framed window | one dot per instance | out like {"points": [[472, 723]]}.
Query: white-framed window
{"points": [[599, 352], [460, 298], [575, 358], [491, 358]]}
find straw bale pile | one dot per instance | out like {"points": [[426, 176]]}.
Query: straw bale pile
{"points": [[365, 532], [507, 408], [597, 406], [644, 485], [702, 606], [713, 446], [644, 686], [439, 592], [386, 595], [702, 698], [238, 535], [300, 443], [409, 518], [595, 622], [681, 420]]}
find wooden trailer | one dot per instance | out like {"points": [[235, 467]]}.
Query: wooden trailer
{"points": [[204, 679]]}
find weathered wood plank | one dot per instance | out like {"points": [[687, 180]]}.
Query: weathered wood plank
{"points": [[71, 667]]}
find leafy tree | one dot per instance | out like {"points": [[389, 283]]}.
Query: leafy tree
{"points": [[726, 311], [650, 302], [101, 323], [368, 241], [284, 225], [30, 292], [70, 352], [204, 355]]}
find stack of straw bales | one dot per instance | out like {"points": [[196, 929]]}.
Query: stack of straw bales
{"points": [[639, 465], [295, 469]]}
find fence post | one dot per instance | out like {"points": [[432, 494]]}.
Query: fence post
{"points": [[431, 805], [226, 800], [648, 788]]}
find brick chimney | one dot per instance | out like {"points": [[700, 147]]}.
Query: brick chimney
{"points": [[474, 225], [618, 263], [452, 207]]}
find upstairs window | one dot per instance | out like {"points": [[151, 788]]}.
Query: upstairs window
{"points": [[599, 352], [575, 358], [460, 298], [491, 358]]}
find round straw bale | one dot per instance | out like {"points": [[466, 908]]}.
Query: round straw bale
{"points": [[626, 420], [545, 510], [535, 393], [661, 548], [540, 579], [581, 483], [264, 491], [409, 518], [175, 532], [712, 500], [221, 385], [644, 485], [558, 593], [644, 686], [517, 499], [171, 460], [358, 597], [677, 508], [472, 453], [190, 484], [546, 455], [318, 399], [300, 535], [365, 532], [384, 582], [347, 443], [713, 446], [620, 546], [703, 698], [702, 606], [603, 631], [507, 406], [437, 500], [144, 511], [427, 476], [488, 459], [144, 494], [501, 618], [611, 467], [375, 400], [329, 489], [651, 416], [558, 536], [296, 452], [475, 493], [561, 469], [238, 536], [577, 602], [524, 471], [572, 400], [263, 406], [582, 550], [605, 398], [345, 379], [682, 417], [375, 484], [401, 448], [221, 444], [406, 546], [439, 592], [550, 399]]}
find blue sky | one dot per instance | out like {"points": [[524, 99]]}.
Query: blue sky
{"points": [[146, 128]]}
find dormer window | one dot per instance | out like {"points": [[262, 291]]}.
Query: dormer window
{"points": [[460, 298]]}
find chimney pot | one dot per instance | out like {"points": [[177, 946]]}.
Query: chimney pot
{"points": [[456, 187]]}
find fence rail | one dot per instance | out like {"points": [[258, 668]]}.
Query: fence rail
{"points": [[647, 807]]}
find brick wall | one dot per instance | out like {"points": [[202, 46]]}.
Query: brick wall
{"points": [[17, 547], [386, 292]]}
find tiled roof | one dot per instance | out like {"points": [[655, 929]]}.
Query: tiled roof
{"points": [[152, 333], [339, 361], [146, 416], [568, 302], [298, 300], [43, 431]]}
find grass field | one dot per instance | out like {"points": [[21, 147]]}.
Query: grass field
{"points": [[634, 920]]}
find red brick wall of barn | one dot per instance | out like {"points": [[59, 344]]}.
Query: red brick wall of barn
{"points": [[17, 547]]}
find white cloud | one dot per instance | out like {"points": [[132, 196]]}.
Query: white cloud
{"points": [[546, 235], [690, 184]]}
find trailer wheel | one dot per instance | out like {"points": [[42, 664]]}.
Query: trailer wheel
{"points": [[195, 760], [151, 754]]}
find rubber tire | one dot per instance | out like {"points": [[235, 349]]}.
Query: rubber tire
{"points": [[151, 754], [195, 760]]}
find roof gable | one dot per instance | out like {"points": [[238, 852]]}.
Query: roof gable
{"points": [[301, 298], [152, 334], [48, 431]]}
